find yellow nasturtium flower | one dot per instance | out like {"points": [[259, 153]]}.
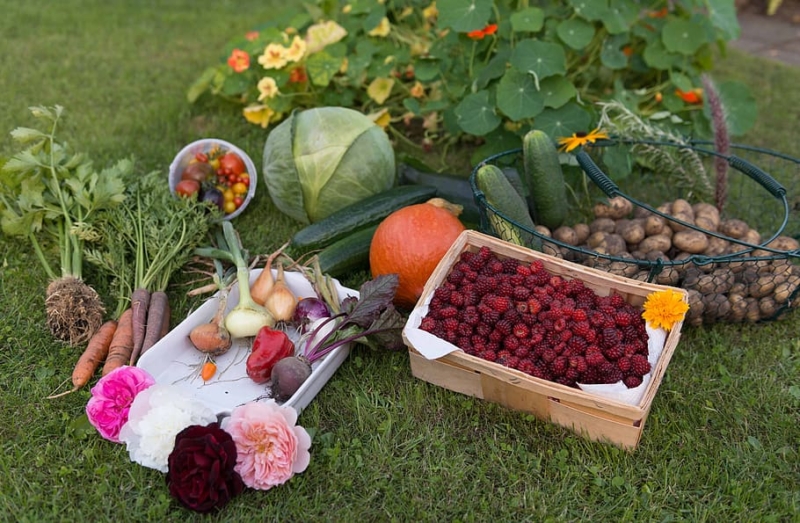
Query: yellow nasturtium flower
{"points": [[417, 90], [274, 57], [382, 29], [267, 88], [323, 34], [258, 114], [297, 50], [430, 12]]}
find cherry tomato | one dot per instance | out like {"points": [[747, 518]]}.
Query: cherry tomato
{"points": [[232, 164], [245, 179], [201, 157], [228, 195], [238, 201], [187, 187], [228, 206], [239, 188]]}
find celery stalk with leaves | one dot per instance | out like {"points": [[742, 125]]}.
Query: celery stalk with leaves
{"points": [[52, 196]]}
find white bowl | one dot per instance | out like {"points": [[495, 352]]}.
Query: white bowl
{"points": [[205, 145]]}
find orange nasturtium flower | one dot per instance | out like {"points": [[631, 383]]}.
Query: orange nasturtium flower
{"points": [[663, 309], [239, 60], [695, 96], [297, 75], [251, 35], [661, 13], [479, 34], [580, 138]]}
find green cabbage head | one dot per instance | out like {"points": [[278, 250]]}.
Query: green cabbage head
{"points": [[320, 160]]}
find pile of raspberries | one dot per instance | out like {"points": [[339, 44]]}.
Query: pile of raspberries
{"points": [[520, 315]]}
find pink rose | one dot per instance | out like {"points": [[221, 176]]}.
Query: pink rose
{"points": [[112, 397], [270, 447]]}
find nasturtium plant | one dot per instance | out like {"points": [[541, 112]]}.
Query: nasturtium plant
{"points": [[491, 69]]}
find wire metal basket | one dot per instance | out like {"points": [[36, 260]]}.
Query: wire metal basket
{"points": [[743, 277]]}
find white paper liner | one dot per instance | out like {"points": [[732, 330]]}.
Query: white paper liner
{"points": [[432, 348]]}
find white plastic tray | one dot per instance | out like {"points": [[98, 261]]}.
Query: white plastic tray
{"points": [[174, 360]]}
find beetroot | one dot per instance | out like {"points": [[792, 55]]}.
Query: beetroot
{"points": [[288, 375]]}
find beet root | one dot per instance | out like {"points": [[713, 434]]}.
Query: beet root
{"points": [[288, 375]]}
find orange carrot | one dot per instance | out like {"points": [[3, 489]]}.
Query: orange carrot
{"points": [[155, 320], [119, 352], [140, 302], [208, 371], [96, 351]]}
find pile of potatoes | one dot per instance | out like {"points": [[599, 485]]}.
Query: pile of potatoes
{"points": [[743, 289]]}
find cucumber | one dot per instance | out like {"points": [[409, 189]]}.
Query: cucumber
{"points": [[544, 180], [347, 254], [502, 195], [368, 211]]}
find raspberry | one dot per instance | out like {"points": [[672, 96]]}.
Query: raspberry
{"points": [[579, 363], [470, 316], [502, 304], [494, 266], [488, 355], [484, 284], [505, 288], [579, 314], [613, 353], [611, 337], [522, 352], [526, 366], [581, 328], [617, 301], [428, 324], [534, 306], [490, 316], [457, 299], [483, 329], [520, 330], [537, 266], [559, 366], [520, 293], [624, 364], [572, 374], [596, 318], [510, 265], [511, 343], [496, 336], [609, 373], [456, 276], [548, 355], [639, 365], [463, 329], [504, 327], [560, 324], [448, 311], [632, 381], [523, 270], [595, 358], [623, 318]]}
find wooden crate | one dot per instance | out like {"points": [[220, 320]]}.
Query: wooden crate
{"points": [[590, 415]]}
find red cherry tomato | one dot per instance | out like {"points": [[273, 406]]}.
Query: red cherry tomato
{"points": [[232, 164], [201, 157], [187, 187], [238, 200]]}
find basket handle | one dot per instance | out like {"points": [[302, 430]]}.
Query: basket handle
{"points": [[765, 180], [596, 174]]}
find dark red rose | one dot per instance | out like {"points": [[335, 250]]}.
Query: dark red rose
{"points": [[201, 474]]}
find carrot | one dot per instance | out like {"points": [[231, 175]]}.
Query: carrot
{"points": [[208, 371], [159, 302], [96, 351], [165, 322], [140, 302], [119, 352]]}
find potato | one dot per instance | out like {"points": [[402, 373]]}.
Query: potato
{"points": [[783, 291], [582, 230], [616, 208], [694, 316], [668, 276], [691, 277], [706, 223], [602, 225], [658, 242], [627, 269], [544, 231], [632, 231], [566, 235], [654, 224], [716, 246], [694, 242], [719, 281], [552, 249], [763, 286], [734, 228], [706, 209], [753, 312], [753, 237], [684, 217], [767, 307], [641, 212], [738, 310], [784, 243], [716, 307], [612, 244], [681, 206]]}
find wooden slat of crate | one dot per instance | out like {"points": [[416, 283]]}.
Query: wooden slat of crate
{"points": [[593, 416]]}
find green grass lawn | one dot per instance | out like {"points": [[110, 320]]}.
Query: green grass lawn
{"points": [[721, 442]]}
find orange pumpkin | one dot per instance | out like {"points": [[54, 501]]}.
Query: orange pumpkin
{"points": [[410, 242]]}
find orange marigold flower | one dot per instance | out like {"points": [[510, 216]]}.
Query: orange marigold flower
{"points": [[695, 96], [239, 60], [578, 139]]}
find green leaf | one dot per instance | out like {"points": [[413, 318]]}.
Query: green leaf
{"points": [[683, 36], [722, 14], [740, 107], [656, 55], [494, 69], [557, 90], [22, 161], [621, 15], [412, 105], [201, 85], [542, 59], [517, 96], [611, 54], [235, 85], [590, 9], [530, 19], [575, 32], [563, 121], [322, 67], [681, 81], [464, 15], [426, 70], [27, 135], [475, 115], [373, 19]]}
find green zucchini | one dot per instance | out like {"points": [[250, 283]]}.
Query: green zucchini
{"points": [[347, 254], [544, 180], [369, 211], [502, 195]]}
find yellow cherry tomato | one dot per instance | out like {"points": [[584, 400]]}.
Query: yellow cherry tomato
{"points": [[239, 188], [228, 195], [228, 206]]}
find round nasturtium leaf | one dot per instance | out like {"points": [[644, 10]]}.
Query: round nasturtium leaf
{"points": [[611, 54], [475, 115], [517, 95], [655, 55], [564, 121], [557, 91], [575, 32], [682, 36], [590, 9], [530, 19], [621, 14], [464, 15], [740, 107], [542, 59]]}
